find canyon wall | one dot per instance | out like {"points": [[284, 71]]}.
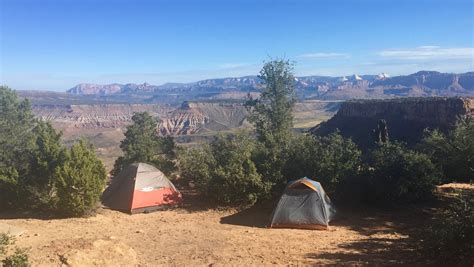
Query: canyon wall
{"points": [[194, 117], [189, 118], [406, 118], [95, 116]]}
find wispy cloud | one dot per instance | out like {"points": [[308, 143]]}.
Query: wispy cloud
{"points": [[428, 53], [324, 56], [232, 65]]}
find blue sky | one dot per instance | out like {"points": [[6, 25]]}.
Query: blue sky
{"points": [[53, 45]]}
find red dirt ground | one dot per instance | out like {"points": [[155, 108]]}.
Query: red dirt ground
{"points": [[197, 235]]}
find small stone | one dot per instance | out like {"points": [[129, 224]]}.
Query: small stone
{"points": [[36, 234], [140, 231]]}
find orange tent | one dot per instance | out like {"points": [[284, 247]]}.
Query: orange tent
{"points": [[140, 188]]}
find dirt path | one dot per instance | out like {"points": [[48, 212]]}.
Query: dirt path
{"points": [[198, 236]]}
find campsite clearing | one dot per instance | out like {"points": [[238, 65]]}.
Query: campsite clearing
{"points": [[196, 235]]}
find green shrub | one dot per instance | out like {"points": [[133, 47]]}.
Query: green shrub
{"points": [[80, 180], [398, 175], [18, 258], [451, 236], [224, 170], [333, 160], [5, 241], [270, 162], [195, 166], [454, 152]]}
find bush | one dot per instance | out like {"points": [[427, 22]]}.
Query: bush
{"points": [[454, 153], [333, 160], [451, 236], [80, 180], [224, 170], [5, 241], [270, 162], [18, 259], [398, 175]]}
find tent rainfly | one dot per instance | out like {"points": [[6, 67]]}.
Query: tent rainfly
{"points": [[304, 204]]}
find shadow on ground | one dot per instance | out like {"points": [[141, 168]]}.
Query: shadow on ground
{"points": [[256, 216], [38, 215], [392, 238], [193, 201]]}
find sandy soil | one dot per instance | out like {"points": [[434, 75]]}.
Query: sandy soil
{"points": [[197, 235]]}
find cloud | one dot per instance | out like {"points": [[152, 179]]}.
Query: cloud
{"points": [[324, 56], [232, 65], [428, 53]]}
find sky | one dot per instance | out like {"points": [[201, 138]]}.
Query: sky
{"points": [[56, 44]]}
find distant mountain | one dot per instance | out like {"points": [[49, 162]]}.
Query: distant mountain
{"points": [[422, 83]]}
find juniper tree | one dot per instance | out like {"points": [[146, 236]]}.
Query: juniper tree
{"points": [[272, 117], [16, 145], [80, 180], [142, 144]]}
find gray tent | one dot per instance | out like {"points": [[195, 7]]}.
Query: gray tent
{"points": [[304, 204]]}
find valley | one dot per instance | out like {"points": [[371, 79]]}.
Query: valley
{"points": [[194, 112], [190, 123]]}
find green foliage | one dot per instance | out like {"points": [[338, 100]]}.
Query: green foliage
{"points": [[47, 157], [272, 112], [451, 236], [270, 163], [5, 241], [141, 144], [272, 116], [398, 175], [454, 153], [18, 258], [224, 170], [16, 146], [80, 180], [196, 164], [333, 160], [30, 151]]}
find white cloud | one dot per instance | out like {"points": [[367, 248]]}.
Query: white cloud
{"points": [[232, 65], [428, 53], [324, 56]]}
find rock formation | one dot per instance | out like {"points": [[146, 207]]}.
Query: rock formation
{"points": [[183, 121], [95, 116], [406, 118], [189, 118], [194, 117]]}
